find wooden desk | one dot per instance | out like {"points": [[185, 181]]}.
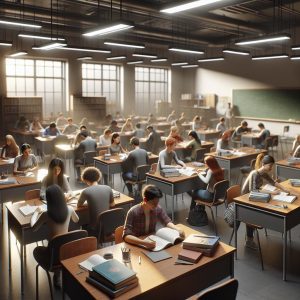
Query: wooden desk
{"points": [[25, 136], [278, 219], [183, 152], [161, 280], [208, 134], [252, 139], [7, 166], [163, 126], [20, 226], [285, 171]]}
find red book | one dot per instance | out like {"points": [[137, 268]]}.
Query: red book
{"points": [[189, 255]]}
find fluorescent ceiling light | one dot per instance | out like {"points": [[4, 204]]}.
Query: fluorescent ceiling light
{"points": [[295, 57], [15, 23], [5, 44], [186, 6], [40, 37], [190, 66], [84, 58], [185, 50], [237, 52], [127, 45], [50, 46], [158, 59], [179, 64], [135, 62], [211, 59], [108, 29], [19, 53], [116, 57], [86, 49], [144, 55], [270, 57], [264, 39]]}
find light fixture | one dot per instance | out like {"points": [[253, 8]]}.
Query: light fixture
{"points": [[190, 66], [186, 6], [127, 45], [17, 23], [296, 47], [144, 55], [211, 59], [135, 62], [50, 46], [5, 43], [264, 39], [86, 49], [185, 50], [158, 59], [179, 64], [296, 57], [276, 56], [116, 57], [237, 52], [109, 29], [40, 37], [84, 58], [19, 53]]}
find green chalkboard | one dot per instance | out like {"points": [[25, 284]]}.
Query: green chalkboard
{"points": [[281, 104]]}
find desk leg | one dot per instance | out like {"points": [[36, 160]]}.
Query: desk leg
{"points": [[9, 249], [22, 265], [235, 231], [284, 250], [172, 202]]}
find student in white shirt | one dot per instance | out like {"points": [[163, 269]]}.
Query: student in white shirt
{"points": [[105, 138], [221, 125]]}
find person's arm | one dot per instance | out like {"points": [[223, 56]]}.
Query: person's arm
{"points": [[177, 160], [34, 164], [66, 186], [206, 178], [74, 216], [112, 203], [82, 199], [16, 166], [180, 231]]}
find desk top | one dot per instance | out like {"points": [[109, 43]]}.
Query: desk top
{"points": [[151, 275], [21, 181], [286, 164], [26, 132], [6, 162], [115, 159], [51, 138], [185, 143], [209, 131]]}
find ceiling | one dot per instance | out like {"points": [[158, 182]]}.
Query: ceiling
{"points": [[209, 28]]}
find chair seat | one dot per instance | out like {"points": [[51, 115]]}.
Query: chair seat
{"points": [[210, 204], [254, 226]]}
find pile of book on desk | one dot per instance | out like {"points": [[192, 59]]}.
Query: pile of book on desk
{"points": [[293, 160], [171, 172], [205, 244], [295, 182], [259, 197], [113, 278]]}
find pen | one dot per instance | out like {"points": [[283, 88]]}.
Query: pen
{"points": [[140, 260], [80, 272]]}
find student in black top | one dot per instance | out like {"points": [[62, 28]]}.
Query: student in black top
{"points": [[243, 128], [263, 135]]}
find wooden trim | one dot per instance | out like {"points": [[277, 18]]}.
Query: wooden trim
{"points": [[269, 120]]}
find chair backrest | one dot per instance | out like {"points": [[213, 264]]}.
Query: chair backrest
{"points": [[232, 192], [286, 129], [252, 164], [268, 142], [55, 244], [119, 234], [226, 290], [88, 157], [274, 141], [200, 154], [141, 172], [102, 152], [32, 194], [77, 247], [220, 189], [108, 221]]}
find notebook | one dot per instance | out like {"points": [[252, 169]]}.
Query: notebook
{"points": [[157, 256]]}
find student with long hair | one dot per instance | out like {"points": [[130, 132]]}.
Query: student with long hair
{"points": [[223, 142], [194, 144], [127, 126], [10, 149], [115, 147], [26, 162], [174, 133], [296, 147]]}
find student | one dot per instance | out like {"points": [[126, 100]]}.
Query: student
{"points": [[70, 128], [118, 116], [223, 143], [78, 136], [196, 125], [25, 162], [22, 124], [136, 158], [167, 155], [139, 132], [151, 119], [61, 121], [171, 117], [51, 130], [229, 116], [127, 126], [153, 140], [262, 136], [108, 120], [142, 219], [296, 143], [254, 182], [105, 138], [57, 217], [297, 152], [221, 125], [114, 126], [182, 118], [258, 161], [56, 175], [243, 128], [99, 197], [10, 149], [84, 122], [115, 146], [194, 144], [35, 125], [174, 133]]}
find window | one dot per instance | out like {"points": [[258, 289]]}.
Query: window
{"points": [[44, 78], [151, 84], [101, 80]]}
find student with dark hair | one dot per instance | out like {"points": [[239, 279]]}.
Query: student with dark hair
{"points": [[221, 125], [262, 136], [114, 126], [243, 128], [51, 130], [139, 132], [194, 144], [71, 128], [153, 140], [77, 139], [10, 149], [26, 162], [142, 218], [115, 146]]}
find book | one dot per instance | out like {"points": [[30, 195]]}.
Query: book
{"points": [[171, 172], [259, 197], [182, 262], [37, 214], [189, 255], [164, 237], [157, 256], [204, 251], [295, 182], [201, 241], [91, 262], [284, 197], [268, 188], [27, 210], [188, 171]]}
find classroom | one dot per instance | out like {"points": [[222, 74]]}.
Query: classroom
{"points": [[150, 149]]}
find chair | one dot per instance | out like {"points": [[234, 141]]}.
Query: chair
{"points": [[32, 194], [88, 158], [102, 152], [48, 257], [200, 154], [245, 171], [107, 222], [220, 189], [119, 234], [284, 138], [226, 290]]}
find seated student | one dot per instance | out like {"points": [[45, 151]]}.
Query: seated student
{"points": [[263, 134], [171, 117], [223, 143], [61, 120], [243, 128], [57, 217], [167, 155], [118, 116], [105, 138], [35, 125], [22, 124], [136, 158], [174, 133], [10, 149], [229, 116], [153, 140], [182, 118], [99, 197], [86, 144], [296, 143], [114, 126], [142, 218], [70, 128], [77, 138], [297, 152], [84, 122], [115, 146], [151, 119], [127, 126], [51, 130], [221, 125], [254, 182], [194, 144], [107, 120], [25, 162], [139, 132], [56, 175], [196, 125]]}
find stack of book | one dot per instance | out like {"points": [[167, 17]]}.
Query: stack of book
{"points": [[295, 182], [205, 244], [293, 160], [112, 278], [259, 197], [171, 172]]}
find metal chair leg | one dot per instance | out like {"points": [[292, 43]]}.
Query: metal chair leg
{"points": [[266, 233], [213, 218], [259, 248], [231, 236], [50, 284], [37, 282], [166, 202]]}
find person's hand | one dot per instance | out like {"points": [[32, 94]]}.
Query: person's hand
{"points": [[149, 244], [39, 210], [178, 167], [181, 233], [184, 166]]}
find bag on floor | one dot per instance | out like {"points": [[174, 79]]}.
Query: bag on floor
{"points": [[197, 216], [229, 215]]}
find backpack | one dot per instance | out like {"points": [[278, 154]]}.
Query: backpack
{"points": [[197, 216], [229, 215]]}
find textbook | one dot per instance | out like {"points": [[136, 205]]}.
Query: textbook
{"points": [[164, 237], [284, 197], [201, 241], [259, 197], [171, 172], [27, 210], [91, 262], [295, 182], [37, 213], [188, 171], [189, 255], [157, 256], [204, 251], [268, 188]]}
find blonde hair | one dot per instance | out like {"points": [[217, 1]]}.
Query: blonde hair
{"points": [[258, 161], [13, 142], [174, 129]]}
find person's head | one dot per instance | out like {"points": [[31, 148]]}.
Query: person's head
{"points": [[194, 136], [52, 126], [10, 141], [151, 195], [35, 120], [226, 135], [115, 138], [150, 128], [134, 141], [107, 132], [82, 128], [25, 149], [138, 125], [56, 169], [114, 123], [174, 130], [261, 126], [267, 163], [222, 120], [83, 134], [244, 124], [70, 121], [91, 175], [213, 165], [170, 144], [57, 209]]}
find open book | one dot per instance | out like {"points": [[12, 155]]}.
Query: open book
{"points": [[284, 197], [268, 188], [91, 262], [37, 213], [188, 171], [164, 238]]}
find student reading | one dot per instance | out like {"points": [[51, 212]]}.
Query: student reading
{"points": [[10, 149], [26, 162], [142, 218]]}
